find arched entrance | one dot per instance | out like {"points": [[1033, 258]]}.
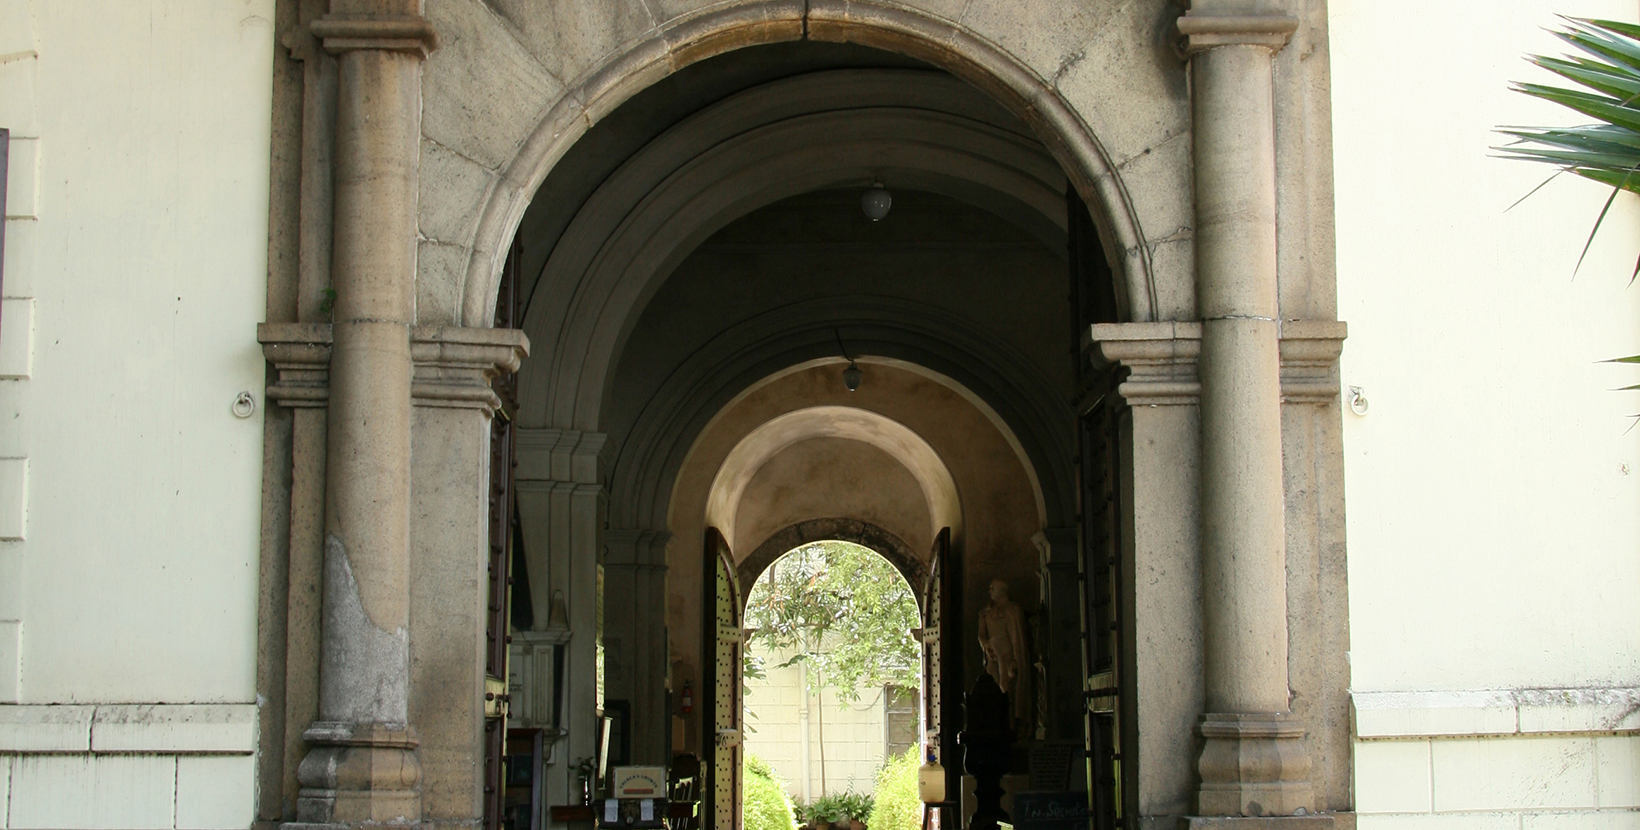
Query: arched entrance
{"points": [[682, 189], [834, 665]]}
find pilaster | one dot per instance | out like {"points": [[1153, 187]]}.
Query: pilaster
{"points": [[635, 637], [453, 403], [561, 508], [1058, 642], [1161, 556]]}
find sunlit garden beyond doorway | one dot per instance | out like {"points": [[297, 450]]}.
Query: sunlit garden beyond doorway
{"points": [[832, 693]]}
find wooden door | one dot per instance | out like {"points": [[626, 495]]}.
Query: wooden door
{"points": [[499, 557], [942, 666], [1100, 562], [722, 639]]}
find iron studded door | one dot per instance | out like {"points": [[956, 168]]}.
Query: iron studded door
{"points": [[723, 641], [940, 632]]}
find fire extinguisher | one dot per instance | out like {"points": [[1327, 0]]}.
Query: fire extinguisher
{"points": [[688, 698]]}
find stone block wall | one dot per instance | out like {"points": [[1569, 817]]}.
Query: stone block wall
{"points": [[1525, 760], [164, 767]]}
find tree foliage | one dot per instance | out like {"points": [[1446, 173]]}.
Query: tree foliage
{"points": [[1608, 72], [897, 805], [764, 803], [844, 611]]}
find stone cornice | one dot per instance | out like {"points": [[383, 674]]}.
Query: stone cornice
{"points": [[1161, 359], [396, 34], [1206, 31], [1309, 360], [454, 365], [300, 354]]}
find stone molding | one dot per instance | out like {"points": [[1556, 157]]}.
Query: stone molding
{"points": [[1496, 713], [1162, 357], [125, 728], [1207, 31], [300, 354], [566, 455], [636, 549], [454, 365], [1309, 360], [414, 35], [1254, 765]]}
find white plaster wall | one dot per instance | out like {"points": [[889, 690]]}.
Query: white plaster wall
{"points": [[1494, 481], [135, 272], [145, 256]]}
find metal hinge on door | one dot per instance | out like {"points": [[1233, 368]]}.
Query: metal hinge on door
{"points": [[495, 697]]}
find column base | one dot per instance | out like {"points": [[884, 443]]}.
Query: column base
{"points": [[1322, 821], [357, 774], [1254, 765]]}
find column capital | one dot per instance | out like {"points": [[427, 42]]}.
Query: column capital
{"points": [[454, 365], [1309, 360], [564, 455], [1160, 358], [410, 34], [1207, 31], [637, 549], [300, 354]]}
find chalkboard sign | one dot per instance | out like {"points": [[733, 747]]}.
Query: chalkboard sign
{"points": [[1050, 811]]}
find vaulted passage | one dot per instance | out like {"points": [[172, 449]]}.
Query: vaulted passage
{"points": [[767, 366]]}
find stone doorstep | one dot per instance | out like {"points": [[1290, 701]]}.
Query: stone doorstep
{"points": [[1318, 821]]}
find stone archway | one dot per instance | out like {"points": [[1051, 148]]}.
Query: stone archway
{"points": [[865, 534], [414, 172]]}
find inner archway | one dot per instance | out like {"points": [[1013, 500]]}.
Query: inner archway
{"points": [[833, 673]]}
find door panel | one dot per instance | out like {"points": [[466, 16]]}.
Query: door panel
{"points": [[722, 639], [1101, 579], [942, 670]]}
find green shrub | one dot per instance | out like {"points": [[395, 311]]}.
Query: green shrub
{"points": [[764, 804], [896, 804]]}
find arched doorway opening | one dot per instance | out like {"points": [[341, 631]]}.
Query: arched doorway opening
{"points": [[833, 667], [695, 282]]}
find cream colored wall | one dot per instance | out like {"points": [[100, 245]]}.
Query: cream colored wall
{"points": [[135, 272], [855, 734], [1492, 484]]}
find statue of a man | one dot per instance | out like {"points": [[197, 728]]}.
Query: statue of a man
{"points": [[1002, 639]]}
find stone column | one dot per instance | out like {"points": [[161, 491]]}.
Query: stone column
{"points": [[1254, 761], [361, 766]]}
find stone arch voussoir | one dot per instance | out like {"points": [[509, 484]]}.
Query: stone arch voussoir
{"points": [[865, 534], [700, 35]]}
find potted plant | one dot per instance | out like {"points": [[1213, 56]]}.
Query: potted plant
{"points": [[856, 807]]}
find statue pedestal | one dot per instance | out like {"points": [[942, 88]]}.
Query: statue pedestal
{"points": [[987, 749]]}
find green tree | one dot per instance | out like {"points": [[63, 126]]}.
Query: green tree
{"points": [[845, 612], [1608, 72]]}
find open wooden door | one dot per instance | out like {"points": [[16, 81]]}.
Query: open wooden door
{"points": [[942, 667], [722, 639], [1102, 617], [499, 558]]}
